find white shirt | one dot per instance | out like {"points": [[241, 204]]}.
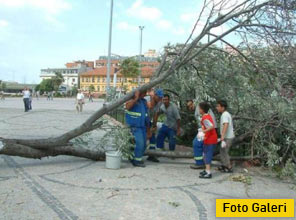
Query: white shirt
{"points": [[26, 94], [226, 118], [80, 96]]}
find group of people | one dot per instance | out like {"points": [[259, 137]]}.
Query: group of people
{"points": [[142, 113], [27, 98]]}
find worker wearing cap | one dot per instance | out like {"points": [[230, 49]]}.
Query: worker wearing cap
{"points": [[138, 120], [154, 102]]}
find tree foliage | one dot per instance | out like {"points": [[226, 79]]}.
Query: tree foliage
{"points": [[130, 67], [260, 90], [91, 88], [52, 84], [57, 80], [46, 85]]}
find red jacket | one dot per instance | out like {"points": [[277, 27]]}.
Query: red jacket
{"points": [[210, 136]]}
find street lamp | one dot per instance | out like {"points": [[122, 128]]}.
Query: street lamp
{"points": [[140, 54], [109, 49]]}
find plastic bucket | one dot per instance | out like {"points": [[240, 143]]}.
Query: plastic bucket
{"points": [[113, 160]]}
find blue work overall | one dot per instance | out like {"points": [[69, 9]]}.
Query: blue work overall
{"points": [[137, 119], [198, 151]]}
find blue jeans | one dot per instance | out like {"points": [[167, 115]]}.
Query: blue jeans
{"points": [[164, 132], [198, 151], [208, 153], [26, 103], [152, 142], [140, 138]]}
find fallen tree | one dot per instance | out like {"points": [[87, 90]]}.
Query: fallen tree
{"points": [[244, 16]]}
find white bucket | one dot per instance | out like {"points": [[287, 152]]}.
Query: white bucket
{"points": [[113, 160]]}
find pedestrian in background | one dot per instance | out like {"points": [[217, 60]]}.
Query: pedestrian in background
{"points": [[79, 101], [90, 97], [26, 97], [30, 101], [37, 95]]}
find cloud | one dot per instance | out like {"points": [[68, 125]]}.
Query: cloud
{"points": [[188, 17], [164, 24], [139, 10], [50, 6], [126, 26], [3, 23], [178, 31], [49, 9]]}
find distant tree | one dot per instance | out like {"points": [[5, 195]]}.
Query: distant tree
{"points": [[130, 67], [57, 80], [74, 90], [91, 88], [37, 88], [46, 85], [2, 85]]}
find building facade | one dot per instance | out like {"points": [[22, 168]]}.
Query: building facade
{"points": [[70, 73], [97, 79]]}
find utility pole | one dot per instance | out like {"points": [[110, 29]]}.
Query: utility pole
{"points": [[140, 54], [109, 50]]}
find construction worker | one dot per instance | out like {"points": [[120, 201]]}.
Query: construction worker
{"points": [[138, 120], [154, 102], [171, 126], [198, 140]]}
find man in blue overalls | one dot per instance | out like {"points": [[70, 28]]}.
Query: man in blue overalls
{"points": [[138, 120]]}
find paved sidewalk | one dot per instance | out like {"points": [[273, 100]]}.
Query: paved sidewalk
{"points": [[75, 188]]}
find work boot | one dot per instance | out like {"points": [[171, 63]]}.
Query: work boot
{"points": [[153, 159], [138, 163], [197, 167]]}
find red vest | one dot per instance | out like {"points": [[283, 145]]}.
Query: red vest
{"points": [[210, 136]]}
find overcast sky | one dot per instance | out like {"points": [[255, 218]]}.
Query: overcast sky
{"points": [[37, 34]]}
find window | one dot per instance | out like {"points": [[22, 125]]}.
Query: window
{"points": [[82, 79], [98, 88], [73, 80], [103, 79], [93, 79], [99, 79]]}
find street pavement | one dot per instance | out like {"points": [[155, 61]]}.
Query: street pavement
{"points": [[66, 187]]}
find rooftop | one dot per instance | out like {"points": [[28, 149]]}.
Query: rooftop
{"points": [[146, 72]]}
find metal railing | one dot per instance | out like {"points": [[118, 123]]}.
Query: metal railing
{"points": [[118, 114]]}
